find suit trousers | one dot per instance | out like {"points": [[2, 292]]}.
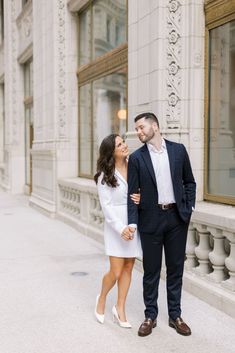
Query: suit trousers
{"points": [[171, 235]]}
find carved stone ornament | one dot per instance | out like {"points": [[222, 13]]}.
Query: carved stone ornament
{"points": [[62, 66], [15, 113], [27, 25], [173, 57], [173, 5]]}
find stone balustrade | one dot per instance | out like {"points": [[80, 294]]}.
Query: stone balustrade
{"points": [[79, 205], [210, 251], [207, 253], [210, 247]]}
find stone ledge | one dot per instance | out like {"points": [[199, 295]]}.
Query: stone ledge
{"points": [[79, 183], [215, 215], [210, 293], [43, 205]]}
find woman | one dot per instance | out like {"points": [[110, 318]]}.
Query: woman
{"points": [[122, 244]]}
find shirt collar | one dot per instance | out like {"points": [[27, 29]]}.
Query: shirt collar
{"points": [[151, 148]]}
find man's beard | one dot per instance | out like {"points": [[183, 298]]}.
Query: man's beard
{"points": [[147, 138]]}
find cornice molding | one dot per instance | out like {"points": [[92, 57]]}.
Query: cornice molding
{"points": [[106, 64], [76, 5], [219, 11]]}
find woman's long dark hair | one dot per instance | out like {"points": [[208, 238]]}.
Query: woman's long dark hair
{"points": [[106, 161]]}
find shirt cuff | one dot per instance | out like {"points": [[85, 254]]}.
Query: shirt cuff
{"points": [[133, 225]]}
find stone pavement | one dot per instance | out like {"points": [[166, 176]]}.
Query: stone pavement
{"points": [[49, 278]]}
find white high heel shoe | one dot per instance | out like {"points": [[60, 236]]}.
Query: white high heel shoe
{"points": [[124, 324], [99, 317]]}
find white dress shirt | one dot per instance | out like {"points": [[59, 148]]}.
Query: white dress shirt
{"points": [[161, 166]]}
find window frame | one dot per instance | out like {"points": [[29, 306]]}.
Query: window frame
{"points": [[2, 22], [109, 63], [3, 142], [217, 13], [28, 106]]}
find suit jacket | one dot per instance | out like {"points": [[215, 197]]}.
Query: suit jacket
{"points": [[141, 176]]}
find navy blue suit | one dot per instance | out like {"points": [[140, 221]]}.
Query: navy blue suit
{"points": [[161, 228]]}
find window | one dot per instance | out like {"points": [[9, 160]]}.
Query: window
{"points": [[102, 78], [1, 21], [220, 112], [28, 103], [2, 124]]}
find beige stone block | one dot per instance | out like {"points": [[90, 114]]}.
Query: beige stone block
{"points": [[143, 8], [132, 64], [132, 92], [158, 85], [143, 60], [132, 12], [143, 89], [143, 32], [132, 37]]}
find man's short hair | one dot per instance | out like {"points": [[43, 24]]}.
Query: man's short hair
{"points": [[149, 116]]}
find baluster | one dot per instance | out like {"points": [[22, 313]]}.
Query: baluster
{"points": [[202, 250], [190, 248], [230, 262], [217, 256]]}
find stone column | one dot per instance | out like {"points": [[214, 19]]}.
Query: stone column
{"points": [[191, 261], [14, 173], [202, 250], [230, 261], [217, 256], [54, 150]]}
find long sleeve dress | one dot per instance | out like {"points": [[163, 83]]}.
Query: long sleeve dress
{"points": [[114, 206]]}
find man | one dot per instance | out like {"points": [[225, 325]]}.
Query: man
{"points": [[161, 170]]}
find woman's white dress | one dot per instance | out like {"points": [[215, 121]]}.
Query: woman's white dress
{"points": [[114, 206]]}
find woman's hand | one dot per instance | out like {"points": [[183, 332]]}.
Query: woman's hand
{"points": [[128, 233], [135, 198]]}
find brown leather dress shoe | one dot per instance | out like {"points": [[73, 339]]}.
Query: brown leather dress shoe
{"points": [[180, 326], [146, 327]]}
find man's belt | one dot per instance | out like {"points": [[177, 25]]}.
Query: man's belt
{"points": [[166, 206]]}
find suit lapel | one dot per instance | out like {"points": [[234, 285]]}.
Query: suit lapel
{"points": [[171, 156], [147, 159]]}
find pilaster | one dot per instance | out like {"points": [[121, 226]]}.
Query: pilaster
{"points": [[166, 72], [55, 100], [14, 173]]}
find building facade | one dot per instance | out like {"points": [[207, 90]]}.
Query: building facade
{"points": [[73, 71]]}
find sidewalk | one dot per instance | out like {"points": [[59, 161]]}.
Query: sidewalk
{"points": [[49, 278]]}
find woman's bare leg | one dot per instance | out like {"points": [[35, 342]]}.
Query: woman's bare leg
{"points": [[123, 287], [109, 280]]}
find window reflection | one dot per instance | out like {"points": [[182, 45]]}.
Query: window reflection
{"points": [[109, 25], [109, 98], [1, 21], [28, 102], [28, 79], [103, 31], [85, 130], [221, 167], [102, 89], [85, 37], [2, 123], [109, 116]]}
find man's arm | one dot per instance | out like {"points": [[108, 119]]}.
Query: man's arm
{"points": [[188, 181], [133, 187]]}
